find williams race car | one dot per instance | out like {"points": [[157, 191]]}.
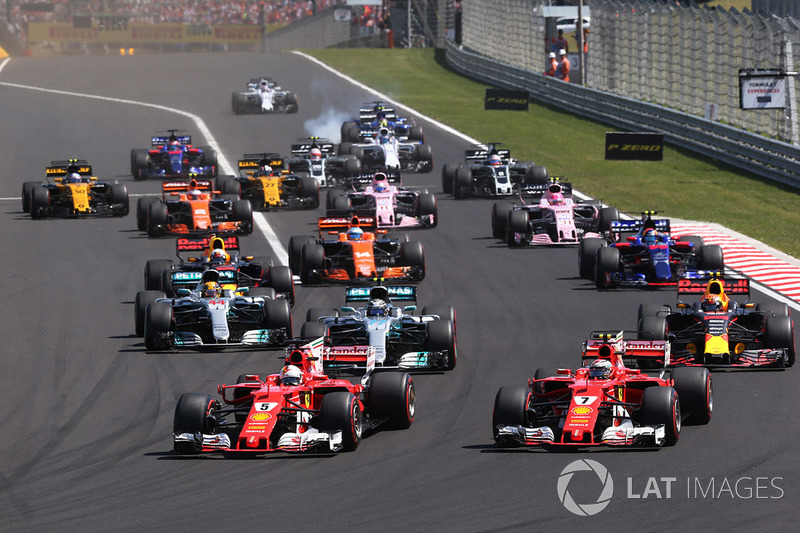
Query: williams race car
{"points": [[719, 332], [263, 95], [604, 402], [265, 182], [215, 315], [173, 156], [556, 219], [395, 337], [316, 158], [641, 253], [298, 410], [490, 171], [74, 192], [390, 206], [345, 253], [192, 206]]}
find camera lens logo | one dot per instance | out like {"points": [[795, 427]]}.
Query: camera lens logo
{"points": [[585, 509]]}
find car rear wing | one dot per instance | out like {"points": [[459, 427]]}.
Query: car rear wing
{"points": [[163, 140], [59, 169], [364, 179], [190, 278], [202, 243], [613, 346], [303, 146], [541, 188], [481, 154], [253, 161], [391, 292], [344, 223], [633, 226], [169, 187], [698, 285]]}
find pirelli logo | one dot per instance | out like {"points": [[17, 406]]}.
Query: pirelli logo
{"points": [[630, 146], [506, 99]]}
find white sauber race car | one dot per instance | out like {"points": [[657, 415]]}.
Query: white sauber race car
{"points": [[380, 150], [397, 339]]}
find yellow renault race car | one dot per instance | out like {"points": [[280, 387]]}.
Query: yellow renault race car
{"points": [[73, 192]]}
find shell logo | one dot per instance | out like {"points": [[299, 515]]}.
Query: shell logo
{"points": [[581, 410], [260, 417]]}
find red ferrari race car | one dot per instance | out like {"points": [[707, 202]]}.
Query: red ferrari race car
{"points": [[604, 402], [345, 253], [298, 410], [719, 332], [192, 206]]}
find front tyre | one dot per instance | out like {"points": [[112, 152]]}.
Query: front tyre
{"points": [[341, 411], [510, 406]]}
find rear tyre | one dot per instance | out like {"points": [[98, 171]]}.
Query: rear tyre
{"points": [[448, 176], [660, 405], [510, 406], [341, 411], [652, 328], [537, 175], [607, 263], [152, 273], [444, 312], [652, 310], [313, 330], [711, 257], [313, 260], [500, 211], [231, 187], [296, 244], [157, 214], [315, 313], [607, 216], [587, 256], [278, 315], [27, 188], [693, 385], [282, 280], [341, 205], [142, 208], [392, 395], [462, 183]]}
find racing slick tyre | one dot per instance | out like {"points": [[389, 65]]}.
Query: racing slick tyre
{"points": [[344, 148], [607, 216], [537, 175], [157, 214], [352, 166], [693, 385], [243, 212], [510, 406], [296, 243], [606, 263], [711, 257], [500, 211], [313, 330], [425, 157], [697, 240], [220, 180], [462, 182], [266, 292], [140, 160], [166, 284], [392, 395], [152, 273], [315, 313], [278, 315], [344, 131], [427, 206], [358, 153], [661, 405], [119, 199], [27, 188], [208, 157], [412, 255], [652, 310], [157, 325], [292, 104], [340, 205], [309, 188], [517, 223], [652, 328], [313, 259], [235, 103], [143, 299], [341, 411], [444, 312], [416, 134], [142, 206], [779, 333], [587, 256], [282, 280], [772, 308], [232, 187], [440, 337], [542, 373], [448, 176], [194, 413], [40, 202]]}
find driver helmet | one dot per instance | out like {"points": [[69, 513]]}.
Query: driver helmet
{"points": [[264, 84], [650, 236], [377, 308], [218, 255], [315, 154], [266, 169], [600, 369], [74, 178], [711, 303], [383, 123], [494, 160], [380, 183], [291, 376], [554, 194], [355, 234], [194, 194], [174, 145], [211, 289]]}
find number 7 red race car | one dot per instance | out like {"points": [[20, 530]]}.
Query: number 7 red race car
{"points": [[604, 402], [298, 410]]}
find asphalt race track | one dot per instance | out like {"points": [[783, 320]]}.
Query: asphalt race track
{"points": [[86, 427]]}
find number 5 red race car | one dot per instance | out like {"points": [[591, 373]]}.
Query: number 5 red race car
{"points": [[604, 402], [298, 410]]}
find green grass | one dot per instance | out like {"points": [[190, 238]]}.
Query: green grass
{"points": [[683, 185]]}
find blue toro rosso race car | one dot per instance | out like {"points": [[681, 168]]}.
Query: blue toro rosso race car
{"points": [[642, 253], [173, 156]]}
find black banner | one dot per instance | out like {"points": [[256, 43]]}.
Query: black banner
{"points": [[506, 99], [629, 146]]}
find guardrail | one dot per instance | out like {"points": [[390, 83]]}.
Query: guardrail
{"points": [[768, 158]]}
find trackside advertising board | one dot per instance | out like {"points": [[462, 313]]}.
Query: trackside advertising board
{"points": [[506, 99], [631, 145], [762, 89]]}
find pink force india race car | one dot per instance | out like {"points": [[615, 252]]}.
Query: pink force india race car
{"points": [[604, 402]]}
